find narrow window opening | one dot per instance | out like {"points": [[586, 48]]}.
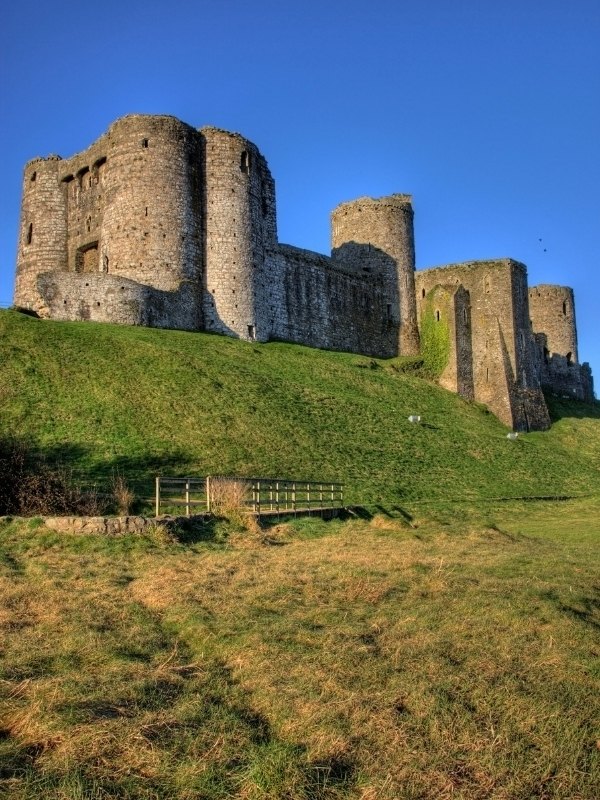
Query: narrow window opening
{"points": [[465, 316], [145, 143], [546, 354], [389, 310], [29, 236], [245, 162], [146, 212], [487, 374], [569, 358], [33, 176], [422, 292], [437, 316], [251, 333], [565, 308]]}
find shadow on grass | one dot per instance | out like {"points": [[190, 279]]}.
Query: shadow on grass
{"points": [[561, 407], [196, 530], [261, 757]]}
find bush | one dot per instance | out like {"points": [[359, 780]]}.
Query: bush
{"points": [[29, 487], [229, 499], [12, 470]]}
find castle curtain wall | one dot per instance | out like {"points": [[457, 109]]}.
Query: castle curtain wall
{"points": [[311, 303]]}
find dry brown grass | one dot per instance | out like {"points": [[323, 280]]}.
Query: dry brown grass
{"points": [[229, 500], [366, 663], [123, 495], [228, 496]]}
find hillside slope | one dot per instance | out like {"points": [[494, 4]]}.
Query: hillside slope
{"points": [[103, 397]]}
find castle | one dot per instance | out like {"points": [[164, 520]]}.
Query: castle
{"points": [[160, 224]]}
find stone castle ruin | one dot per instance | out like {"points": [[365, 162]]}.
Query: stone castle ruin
{"points": [[163, 225]]}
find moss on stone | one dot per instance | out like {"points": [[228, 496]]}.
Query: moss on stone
{"points": [[435, 339]]}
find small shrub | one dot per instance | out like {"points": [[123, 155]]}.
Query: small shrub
{"points": [[228, 496], [122, 494], [229, 499]]}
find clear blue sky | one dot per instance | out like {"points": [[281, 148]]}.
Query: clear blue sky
{"points": [[487, 112]]}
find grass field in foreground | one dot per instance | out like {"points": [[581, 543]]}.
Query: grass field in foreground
{"points": [[363, 659], [105, 398]]}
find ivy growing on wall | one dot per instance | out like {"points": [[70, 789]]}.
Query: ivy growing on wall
{"points": [[435, 338]]}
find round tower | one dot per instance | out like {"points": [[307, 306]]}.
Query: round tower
{"points": [[43, 230], [552, 313], [150, 227], [375, 236], [239, 224]]}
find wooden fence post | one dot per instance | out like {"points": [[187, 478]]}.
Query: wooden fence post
{"points": [[157, 495], [208, 493], [187, 497]]}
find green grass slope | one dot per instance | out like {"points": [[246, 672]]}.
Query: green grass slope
{"points": [[103, 397]]}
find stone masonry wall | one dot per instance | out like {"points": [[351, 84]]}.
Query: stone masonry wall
{"points": [[375, 237], [450, 306], [42, 243], [312, 302], [239, 223], [128, 206], [503, 348], [552, 311]]}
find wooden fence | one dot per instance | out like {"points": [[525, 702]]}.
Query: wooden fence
{"points": [[264, 496]]}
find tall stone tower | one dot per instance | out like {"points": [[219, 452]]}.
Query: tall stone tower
{"points": [[552, 311], [42, 242], [375, 236], [239, 223]]}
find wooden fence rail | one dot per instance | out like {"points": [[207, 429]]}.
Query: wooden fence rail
{"points": [[264, 496]]}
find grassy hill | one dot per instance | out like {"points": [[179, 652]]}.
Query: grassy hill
{"points": [[360, 659], [102, 398]]}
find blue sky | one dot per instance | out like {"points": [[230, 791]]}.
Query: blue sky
{"points": [[487, 112]]}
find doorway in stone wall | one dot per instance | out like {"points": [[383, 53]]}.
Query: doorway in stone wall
{"points": [[86, 258]]}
